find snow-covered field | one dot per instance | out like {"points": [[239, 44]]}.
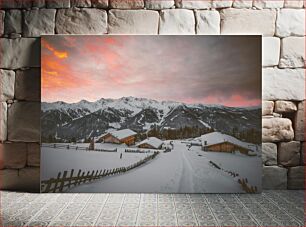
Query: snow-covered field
{"points": [[59, 160], [178, 171]]}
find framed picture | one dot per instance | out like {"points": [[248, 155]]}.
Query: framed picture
{"points": [[151, 114]]}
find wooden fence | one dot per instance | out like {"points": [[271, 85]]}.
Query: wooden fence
{"points": [[72, 147], [246, 186], [68, 180], [242, 181]]}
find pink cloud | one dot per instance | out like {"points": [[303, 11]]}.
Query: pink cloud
{"points": [[163, 68]]}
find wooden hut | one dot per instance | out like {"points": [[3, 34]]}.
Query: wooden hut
{"points": [[219, 142], [151, 143], [126, 136]]}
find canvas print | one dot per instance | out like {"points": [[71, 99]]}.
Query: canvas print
{"points": [[151, 114]]}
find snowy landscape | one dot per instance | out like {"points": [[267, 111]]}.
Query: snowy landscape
{"points": [[119, 117], [181, 166]]}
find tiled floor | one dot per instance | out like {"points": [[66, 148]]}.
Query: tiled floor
{"points": [[271, 208]]}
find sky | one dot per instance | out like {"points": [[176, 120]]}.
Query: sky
{"points": [[224, 70]]}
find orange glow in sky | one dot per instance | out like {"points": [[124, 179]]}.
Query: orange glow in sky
{"points": [[203, 69]]}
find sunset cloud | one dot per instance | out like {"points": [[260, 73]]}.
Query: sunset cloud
{"points": [[193, 69], [59, 54]]}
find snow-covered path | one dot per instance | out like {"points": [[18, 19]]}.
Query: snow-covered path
{"points": [[199, 176], [177, 171]]}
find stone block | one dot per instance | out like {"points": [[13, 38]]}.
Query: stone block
{"points": [[267, 107], [248, 21], [26, 179], [3, 121], [13, 21], [99, 3], [178, 21], [277, 129], [133, 22], [269, 154], [299, 122], [283, 84], [159, 4], [80, 3], [39, 22], [285, 106], [208, 22], [293, 52], [24, 122], [296, 178], [7, 85], [274, 177], [19, 53], [290, 22], [191, 4], [56, 4], [126, 4], [13, 155], [289, 153], [242, 4], [15, 4], [221, 3], [33, 158], [262, 4], [270, 51], [27, 85], [2, 15], [39, 3], [293, 3], [81, 21]]}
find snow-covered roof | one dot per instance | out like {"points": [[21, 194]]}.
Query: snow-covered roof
{"points": [[153, 141], [121, 134], [218, 137]]}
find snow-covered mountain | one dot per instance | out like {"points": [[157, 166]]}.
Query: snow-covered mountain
{"points": [[90, 119]]}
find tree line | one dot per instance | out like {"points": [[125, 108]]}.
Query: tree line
{"points": [[173, 134], [249, 135]]}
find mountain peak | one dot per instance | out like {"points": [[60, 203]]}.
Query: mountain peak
{"points": [[88, 119]]}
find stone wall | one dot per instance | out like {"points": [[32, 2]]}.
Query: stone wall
{"points": [[281, 22]]}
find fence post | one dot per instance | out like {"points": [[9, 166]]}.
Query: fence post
{"points": [[77, 178], [56, 181], [100, 174], [104, 172], [70, 178], [81, 178], [62, 181], [97, 175], [92, 176], [48, 186], [87, 177]]}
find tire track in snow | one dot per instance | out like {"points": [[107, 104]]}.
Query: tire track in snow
{"points": [[187, 172]]}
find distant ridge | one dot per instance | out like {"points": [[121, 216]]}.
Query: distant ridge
{"points": [[90, 119]]}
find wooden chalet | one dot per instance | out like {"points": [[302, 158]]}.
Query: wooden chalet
{"points": [[151, 143], [126, 136], [218, 142]]}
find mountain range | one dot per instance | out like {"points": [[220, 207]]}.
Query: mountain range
{"points": [[86, 119]]}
